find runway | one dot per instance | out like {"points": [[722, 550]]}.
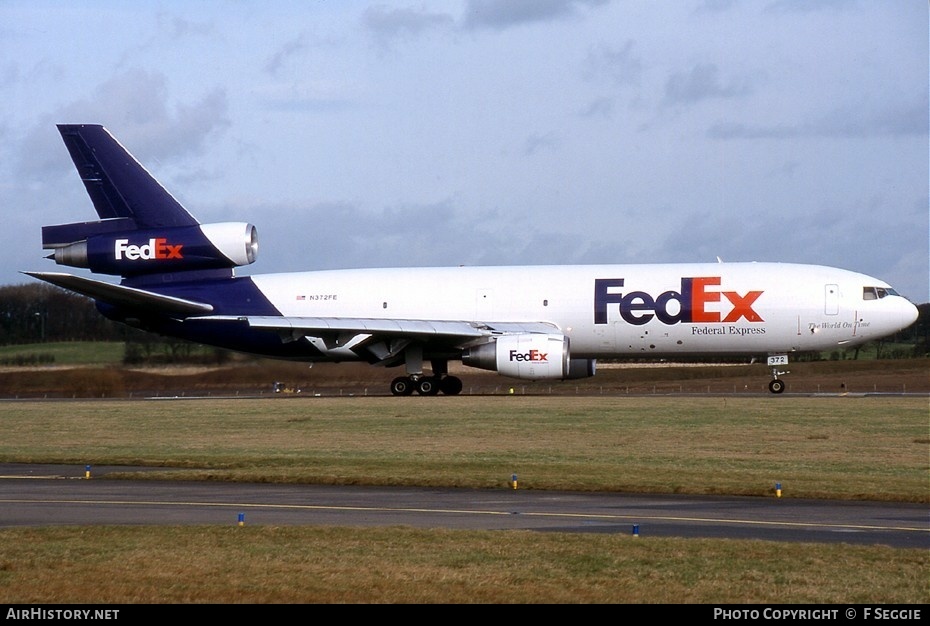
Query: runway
{"points": [[46, 495]]}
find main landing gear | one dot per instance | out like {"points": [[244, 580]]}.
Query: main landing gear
{"points": [[423, 384], [426, 385]]}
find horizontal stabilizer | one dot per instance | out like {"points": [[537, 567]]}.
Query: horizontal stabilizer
{"points": [[63, 234], [121, 295]]}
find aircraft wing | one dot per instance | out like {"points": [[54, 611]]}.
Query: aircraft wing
{"points": [[377, 340], [462, 330], [122, 295]]}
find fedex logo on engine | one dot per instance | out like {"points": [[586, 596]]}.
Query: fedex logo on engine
{"points": [[156, 248], [695, 303], [534, 356]]}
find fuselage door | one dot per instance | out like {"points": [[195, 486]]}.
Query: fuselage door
{"points": [[831, 304]]}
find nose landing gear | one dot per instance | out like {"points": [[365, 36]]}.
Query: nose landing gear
{"points": [[777, 385]]}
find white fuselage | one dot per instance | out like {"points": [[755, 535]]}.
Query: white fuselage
{"points": [[618, 310]]}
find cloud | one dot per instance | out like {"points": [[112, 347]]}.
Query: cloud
{"points": [[702, 83], [345, 236], [501, 14], [621, 66], [850, 122], [536, 143], [134, 106], [178, 28], [286, 51], [9, 74], [809, 6], [387, 25], [599, 107], [715, 6]]}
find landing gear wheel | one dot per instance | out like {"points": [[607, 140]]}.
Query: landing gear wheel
{"points": [[402, 386], [450, 385], [777, 386], [427, 386]]}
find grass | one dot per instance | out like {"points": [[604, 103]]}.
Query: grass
{"points": [[830, 447], [403, 565], [833, 447], [66, 352]]}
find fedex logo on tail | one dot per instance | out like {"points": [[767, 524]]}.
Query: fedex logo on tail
{"points": [[690, 305], [156, 248]]}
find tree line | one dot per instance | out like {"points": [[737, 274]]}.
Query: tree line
{"points": [[39, 312], [42, 313]]}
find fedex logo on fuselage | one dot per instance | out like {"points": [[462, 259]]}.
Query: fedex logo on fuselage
{"points": [[156, 248], [532, 356], [690, 304]]}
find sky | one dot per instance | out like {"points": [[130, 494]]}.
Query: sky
{"points": [[489, 132]]}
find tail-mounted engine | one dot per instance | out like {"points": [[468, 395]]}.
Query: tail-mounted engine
{"points": [[533, 356], [113, 247]]}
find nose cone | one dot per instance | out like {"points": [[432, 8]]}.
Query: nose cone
{"points": [[908, 312], [891, 314]]}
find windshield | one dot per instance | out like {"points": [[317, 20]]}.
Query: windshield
{"points": [[876, 293]]}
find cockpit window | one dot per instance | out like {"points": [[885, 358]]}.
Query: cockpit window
{"points": [[876, 293]]}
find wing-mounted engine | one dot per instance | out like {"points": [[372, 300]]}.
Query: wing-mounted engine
{"points": [[532, 356], [115, 247]]}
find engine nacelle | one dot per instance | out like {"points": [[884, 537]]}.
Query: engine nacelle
{"points": [[136, 252], [533, 356]]}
